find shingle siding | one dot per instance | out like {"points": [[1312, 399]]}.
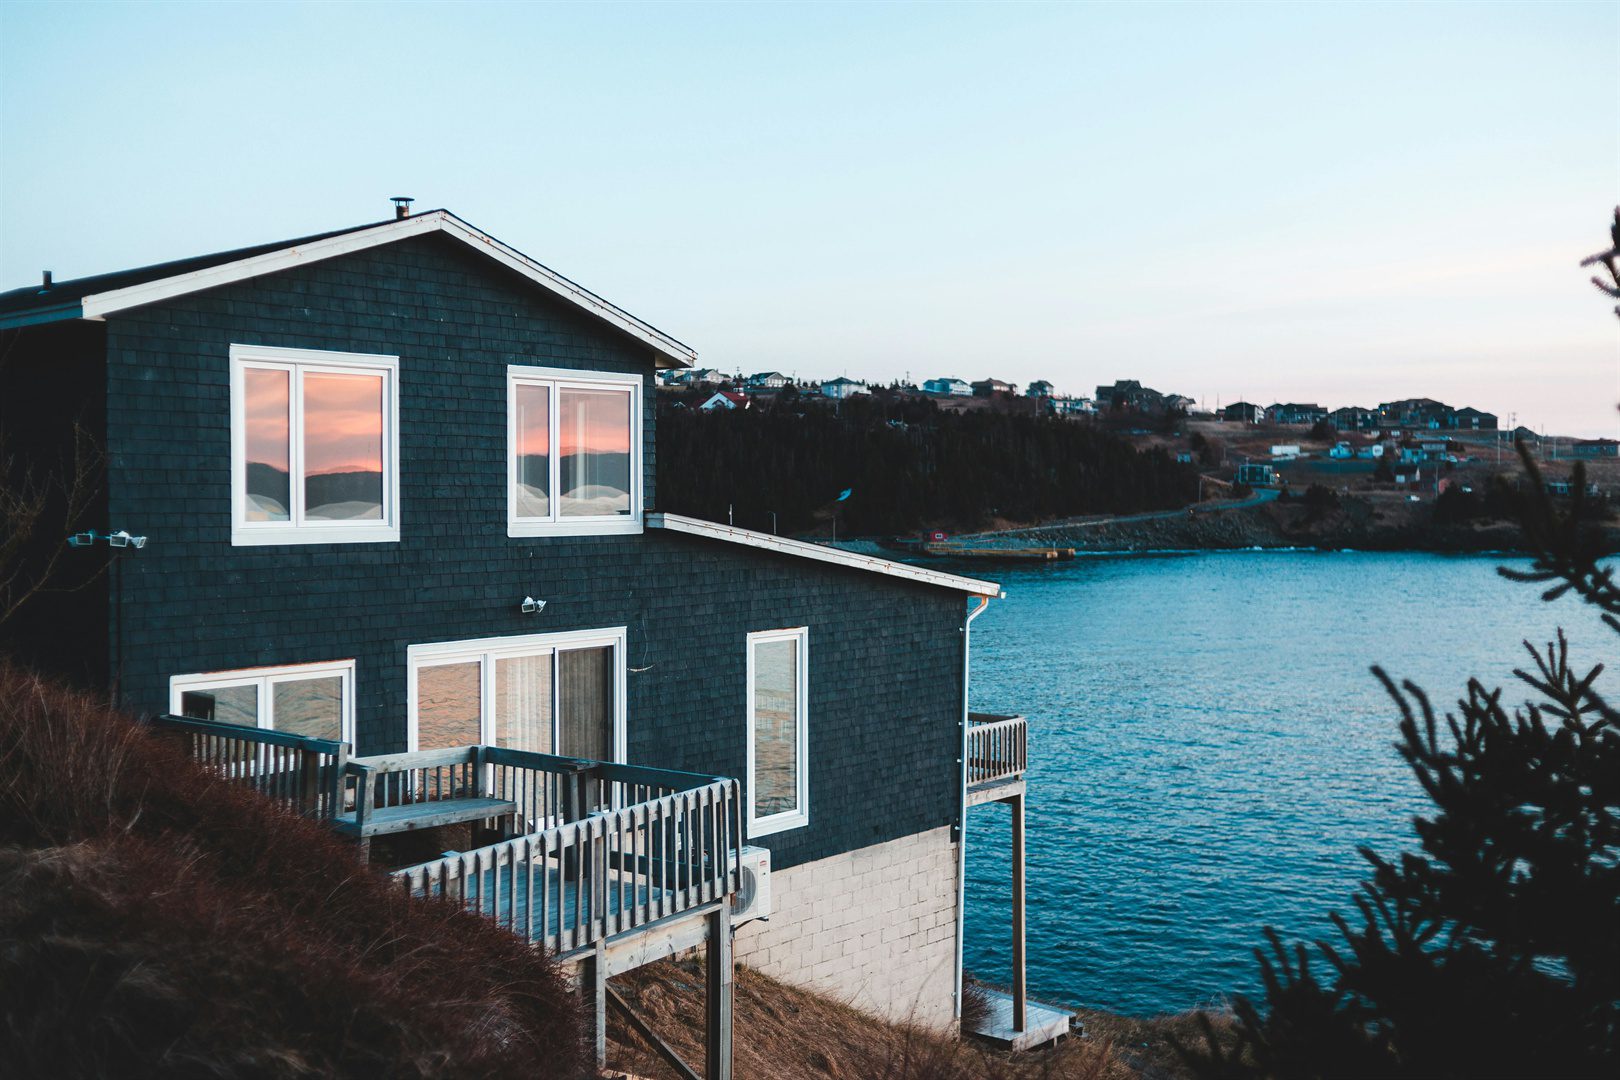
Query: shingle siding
{"points": [[885, 655]]}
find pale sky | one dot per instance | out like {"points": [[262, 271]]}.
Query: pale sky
{"points": [[1342, 204]]}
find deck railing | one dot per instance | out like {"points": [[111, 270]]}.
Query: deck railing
{"points": [[998, 748], [305, 773], [651, 843]]}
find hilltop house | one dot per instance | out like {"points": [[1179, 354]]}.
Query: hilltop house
{"points": [[1040, 388], [841, 388], [768, 380], [1130, 394], [1354, 418], [1296, 413], [992, 387], [1243, 413], [391, 489], [948, 387], [725, 400]]}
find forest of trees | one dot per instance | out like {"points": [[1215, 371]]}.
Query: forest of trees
{"points": [[909, 466]]}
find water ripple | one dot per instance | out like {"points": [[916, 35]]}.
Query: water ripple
{"points": [[1208, 749]]}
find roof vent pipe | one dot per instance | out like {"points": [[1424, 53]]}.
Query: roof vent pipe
{"points": [[402, 205], [44, 282]]}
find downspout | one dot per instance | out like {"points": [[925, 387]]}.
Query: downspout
{"points": [[961, 827]]}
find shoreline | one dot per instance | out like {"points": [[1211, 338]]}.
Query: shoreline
{"points": [[1356, 524]]}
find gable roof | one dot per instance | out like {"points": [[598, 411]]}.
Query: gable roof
{"points": [[713, 530], [101, 295]]}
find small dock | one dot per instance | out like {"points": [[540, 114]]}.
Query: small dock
{"points": [[1042, 1024]]}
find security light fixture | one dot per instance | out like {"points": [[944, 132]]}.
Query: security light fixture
{"points": [[531, 606], [119, 539]]}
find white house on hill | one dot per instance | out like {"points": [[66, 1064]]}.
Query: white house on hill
{"points": [[841, 388]]}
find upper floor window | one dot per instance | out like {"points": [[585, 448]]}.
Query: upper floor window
{"points": [[314, 700], [574, 452], [314, 446], [778, 730]]}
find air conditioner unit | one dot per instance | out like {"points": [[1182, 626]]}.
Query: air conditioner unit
{"points": [[752, 900]]}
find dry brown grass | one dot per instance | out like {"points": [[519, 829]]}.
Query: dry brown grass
{"points": [[783, 1033], [155, 921]]}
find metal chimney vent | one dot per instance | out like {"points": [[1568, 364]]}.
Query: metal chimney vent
{"points": [[402, 205]]}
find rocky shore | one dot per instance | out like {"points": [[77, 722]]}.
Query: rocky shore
{"points": [[1356, 523]]}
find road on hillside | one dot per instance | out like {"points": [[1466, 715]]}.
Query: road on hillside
{"points": [[1261, 495]]}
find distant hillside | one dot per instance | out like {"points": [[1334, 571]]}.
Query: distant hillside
{"points": [[910, 466], [156, 922]]}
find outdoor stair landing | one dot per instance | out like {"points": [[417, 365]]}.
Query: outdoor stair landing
{"points": [[1043, 1023]]}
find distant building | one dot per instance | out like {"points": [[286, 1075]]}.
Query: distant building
{"points": [[1471, 419], [1040, 388], [769, 380], [725, 399], [1296, 413], [841, 388], [708, 377], [1243, 413], [1341, 451], [948, 387], [1595, 448], [1416, 413], [1354, 418], [1256, 474], [992, 387], [1184, 457], [1409, 472], [1286, 452], [1129, 394], [1074, 406]]}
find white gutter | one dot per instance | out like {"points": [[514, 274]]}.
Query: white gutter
{"points": [[961, 837]]}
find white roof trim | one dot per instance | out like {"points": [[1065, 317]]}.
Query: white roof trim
{"points": [[100, 305], [732, 535]]}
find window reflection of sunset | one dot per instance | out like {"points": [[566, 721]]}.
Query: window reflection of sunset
{"points": [[267, 439], [343, 423], [594, 421]]}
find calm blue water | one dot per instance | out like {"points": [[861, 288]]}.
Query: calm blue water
{"points": [[1208, 748]]}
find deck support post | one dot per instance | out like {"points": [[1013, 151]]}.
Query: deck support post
{"points": [[593, 985], [1019, 988], [717, 996]]}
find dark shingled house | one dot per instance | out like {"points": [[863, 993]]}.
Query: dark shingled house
{"points": [[395, 489]]}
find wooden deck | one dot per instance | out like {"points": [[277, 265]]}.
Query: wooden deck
{"points": [[1042, 1024], [997, 757], [611, 866]]}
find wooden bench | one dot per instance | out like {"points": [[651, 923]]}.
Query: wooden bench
{"points": [[435, 781]]}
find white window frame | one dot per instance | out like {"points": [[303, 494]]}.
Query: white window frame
{"points": [[265, 678], [800, 815], [559, 379], [487, 650], [296, 362]]}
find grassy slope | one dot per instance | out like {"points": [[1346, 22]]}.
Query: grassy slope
{"points": [[155, 921], [783, 1033]]}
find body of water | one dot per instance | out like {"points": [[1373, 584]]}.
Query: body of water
{"points": [[1208, 748]]}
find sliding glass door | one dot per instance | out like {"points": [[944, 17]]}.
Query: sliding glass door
{"points": [[547, 693]]}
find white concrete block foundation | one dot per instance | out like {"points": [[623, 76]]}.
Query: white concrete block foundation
{"points": [[875, 928]]}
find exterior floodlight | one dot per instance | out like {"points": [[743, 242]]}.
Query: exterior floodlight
{"points": [[531, 606], [137, 542], [84, 539], [118, 539]]}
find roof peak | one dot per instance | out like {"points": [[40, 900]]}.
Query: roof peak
{"points": [[101, 295]]}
